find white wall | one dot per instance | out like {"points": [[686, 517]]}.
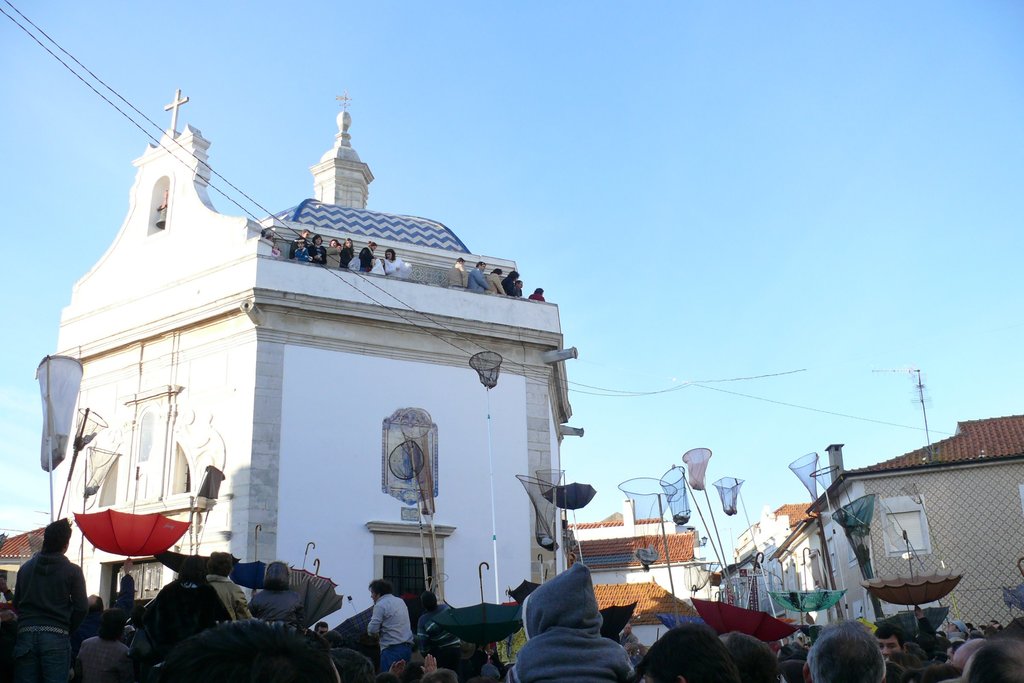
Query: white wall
{"points": [[333, 404]]}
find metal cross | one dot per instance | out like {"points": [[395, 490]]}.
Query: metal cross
{"points": [[344, 99], [173, 108]]}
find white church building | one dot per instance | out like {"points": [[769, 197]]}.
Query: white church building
{"points": [[203, 344]]}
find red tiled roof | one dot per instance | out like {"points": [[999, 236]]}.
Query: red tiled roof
{"points": [[975, 440], [650, 598], [607, 553], [23, 545], [797, 512], [607, 523]]}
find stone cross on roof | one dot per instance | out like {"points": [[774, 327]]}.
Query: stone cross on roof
{"points": [[344, 99], [173, 108]]}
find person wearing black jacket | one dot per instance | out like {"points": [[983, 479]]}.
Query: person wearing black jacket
{"points": [[49, 598], [366, 257], [509, 284]]}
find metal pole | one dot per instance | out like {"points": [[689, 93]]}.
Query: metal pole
{"points": [[704, 522], [719, 537], [49, 435], [494, 517], [668, 559]]}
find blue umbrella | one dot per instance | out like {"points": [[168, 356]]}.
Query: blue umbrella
{"points": [[249, 574]]}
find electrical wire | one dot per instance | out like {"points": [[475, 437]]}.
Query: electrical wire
{"points": [[814, 410], [598, 391]]}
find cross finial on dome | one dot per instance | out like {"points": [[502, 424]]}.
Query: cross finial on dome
{"points": [[343, 100]]}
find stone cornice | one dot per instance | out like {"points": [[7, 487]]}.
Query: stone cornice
{"points": [[407, 529]]}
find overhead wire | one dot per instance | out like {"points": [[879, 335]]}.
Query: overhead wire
{"points": [[597, 391]]}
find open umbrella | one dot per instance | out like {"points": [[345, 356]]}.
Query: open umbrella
{"points": [[520, 592], [249, 574], [725, 618], [807, 601], [914, 590], [130, 535], [671, 620], [173, 560], [316, 593], [354, 627], [907, 622], [571, 496], [614, 619], [481, 624]]}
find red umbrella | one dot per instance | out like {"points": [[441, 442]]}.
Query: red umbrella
{"points": [[726, 618], [130, 535]]}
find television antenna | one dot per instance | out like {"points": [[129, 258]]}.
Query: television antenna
{"points": [[915, 373]]}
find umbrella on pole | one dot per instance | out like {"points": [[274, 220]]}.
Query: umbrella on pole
{"points": [[725, 618], [916, 590], [249, 574], [355, 626], [483, 623], [130, 535], [571, 496], [807, 601], [173, 560], [316, 593], [520, 592], [614, 620]]}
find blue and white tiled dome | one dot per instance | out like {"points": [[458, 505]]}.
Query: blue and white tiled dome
{"points": [[410, 229]]}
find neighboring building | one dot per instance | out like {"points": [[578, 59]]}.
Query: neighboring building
{"points": [[651, 600], [609, 548], [756, 564], [960, 504], [205, 346], [16, 550]]}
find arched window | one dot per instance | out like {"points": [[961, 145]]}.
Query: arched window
{"points": [[159, 206], [147, 437], [182, 481], [108, 491]]}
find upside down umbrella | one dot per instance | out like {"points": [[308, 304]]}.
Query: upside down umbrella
{"points": [[807, 601], [355, 626], [614, 620], [249, 574], [130, 535], [671, 620], [483, 623], [316, 593], [522, 591], [725, 618], [571, 496], [907, 622], [173, 560], [914, 590]]}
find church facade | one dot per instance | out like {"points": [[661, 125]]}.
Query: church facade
{"points": [[326, 397]]}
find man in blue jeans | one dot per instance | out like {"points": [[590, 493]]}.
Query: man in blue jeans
{"points": [[390, 622], [50, 600]]}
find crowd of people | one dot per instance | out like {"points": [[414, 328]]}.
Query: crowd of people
{"points": [[495, 282], [309, 248], [201, 628]]}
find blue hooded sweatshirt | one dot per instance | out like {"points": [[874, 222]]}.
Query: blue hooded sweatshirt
{"points": [[563, 627]]}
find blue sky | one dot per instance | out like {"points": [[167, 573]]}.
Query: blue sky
{"points": [[708, 191]]}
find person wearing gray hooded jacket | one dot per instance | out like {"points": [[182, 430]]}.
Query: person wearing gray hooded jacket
{"points": [[563, 631]]}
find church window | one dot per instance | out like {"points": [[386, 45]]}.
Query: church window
{"points": [[182, 482], [406, 574], [159, 206], [147, 437], [108, 490]]}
